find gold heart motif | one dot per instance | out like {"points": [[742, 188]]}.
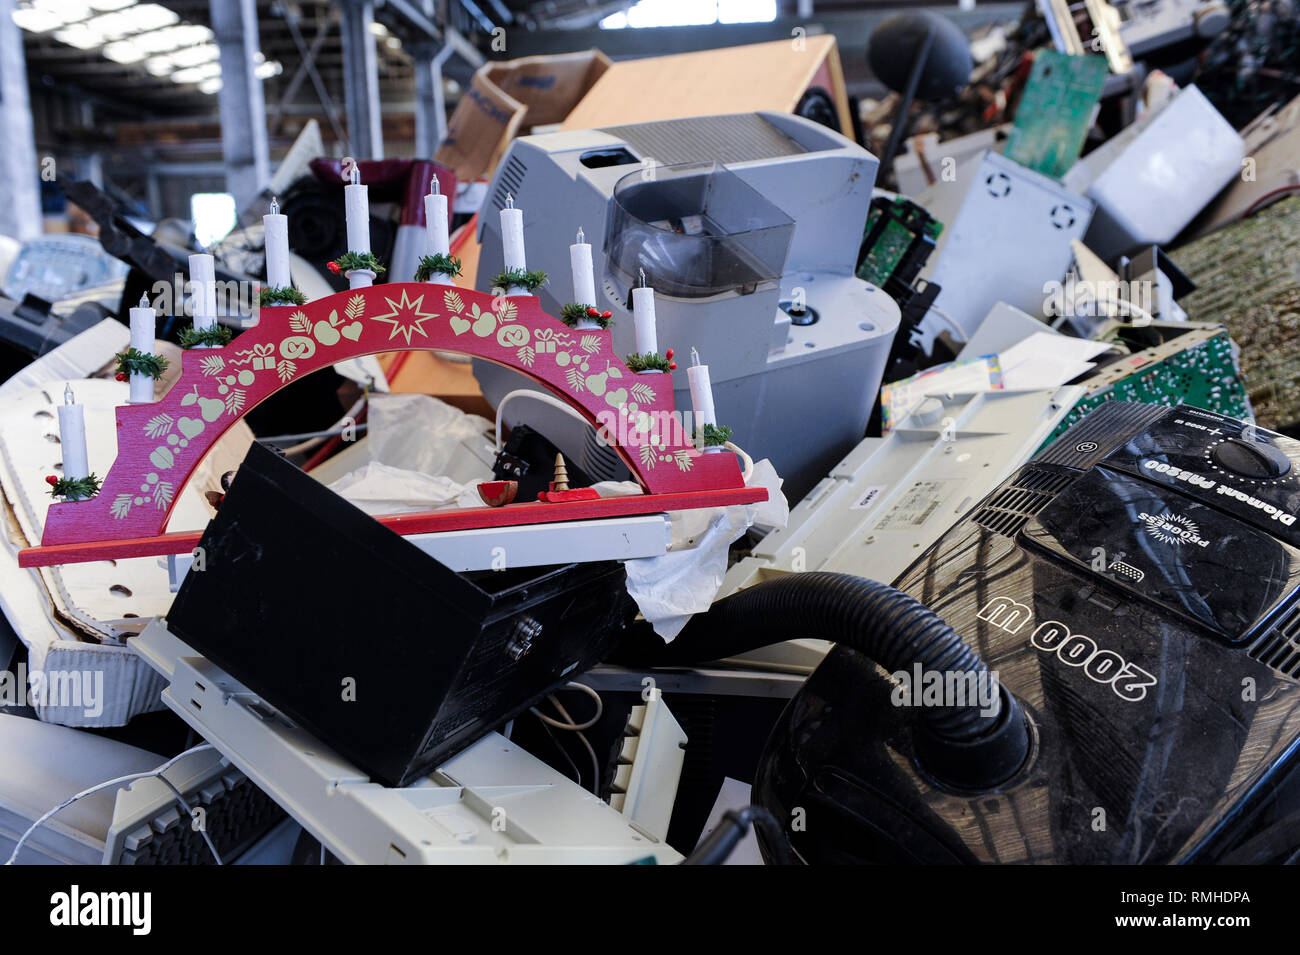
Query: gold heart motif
{"points": [[459, 325], [190, 427], [352, 332]]}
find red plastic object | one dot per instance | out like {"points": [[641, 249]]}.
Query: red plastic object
{"points": [[424, 522], [565, 497], [161, 443], [498, 493]]}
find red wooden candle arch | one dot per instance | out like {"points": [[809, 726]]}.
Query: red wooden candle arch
{"points": [[160, 444]]}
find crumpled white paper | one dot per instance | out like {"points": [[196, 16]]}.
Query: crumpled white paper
{"points": [[669, 589], [380, 489], [419, 457]]}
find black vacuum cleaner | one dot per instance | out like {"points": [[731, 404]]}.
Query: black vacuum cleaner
{"points": [[1098, 664]]}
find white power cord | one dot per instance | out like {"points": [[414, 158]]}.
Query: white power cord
{"points": [[554, 402], [576, 727], [747, 471], [536, 396], [18, 846], [600, 709]]}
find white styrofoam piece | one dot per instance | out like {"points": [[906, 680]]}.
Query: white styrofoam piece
{"points": [[657, 752], [1155, 177], [492, 804], [892, 497]]}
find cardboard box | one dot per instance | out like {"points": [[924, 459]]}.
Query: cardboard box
{"points": [[505, 99], [737, 79]]}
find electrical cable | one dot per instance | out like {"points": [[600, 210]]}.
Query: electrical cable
{"points": [[555, 740], [536, 396], [717, 846], [131, 777], [1266, 197], [600, 709], [311, 439], [748, 470], [595, 763], [950, 322], [203, 830]]}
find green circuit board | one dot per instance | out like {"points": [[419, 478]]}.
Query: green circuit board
{"points": [[1055, 111], [904, 223], [1198, 368]]}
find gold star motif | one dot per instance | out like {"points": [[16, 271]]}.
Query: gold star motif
{"points": [[405, 317]]}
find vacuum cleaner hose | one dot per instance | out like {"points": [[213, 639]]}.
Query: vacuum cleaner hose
{"points": [[886, 625]]}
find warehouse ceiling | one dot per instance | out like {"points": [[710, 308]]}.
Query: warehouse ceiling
{"points": [[148, 60]]}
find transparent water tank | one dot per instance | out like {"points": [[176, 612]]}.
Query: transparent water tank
{"points": [[697, 229]]}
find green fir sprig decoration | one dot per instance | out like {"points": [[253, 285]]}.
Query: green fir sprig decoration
{"points": [[650, 361], [283, 295], [525, 279], [354, 262], [135, 362], [712, 435], [80, 489], [439, 264], [218, 336], [573, 312]]}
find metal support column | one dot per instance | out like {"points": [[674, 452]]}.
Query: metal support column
{"points": [[20, 213], [243, 110], [361, 79], [430, 100]]}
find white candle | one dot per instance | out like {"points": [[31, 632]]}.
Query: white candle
{"points": [[584, 274], [512, 236], [437, 228], [643, 314], [203, 286], [72, 437], [142, 339], [435, 215], [277, 247], [356, 202], [697, 377]]}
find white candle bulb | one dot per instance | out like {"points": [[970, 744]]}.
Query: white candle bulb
{"points": [[436, 226], [203, 286], [356, 203], [643, 315], [276, 227], [512, 237], [72, 437], [142, 340], [584, 276], [697, 377]]}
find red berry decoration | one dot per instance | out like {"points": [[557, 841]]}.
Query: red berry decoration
{"points": [[51, 480], [120, 376], [669, 354], [593, 313], [605, 314], [672, 366], [333, 267]]}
